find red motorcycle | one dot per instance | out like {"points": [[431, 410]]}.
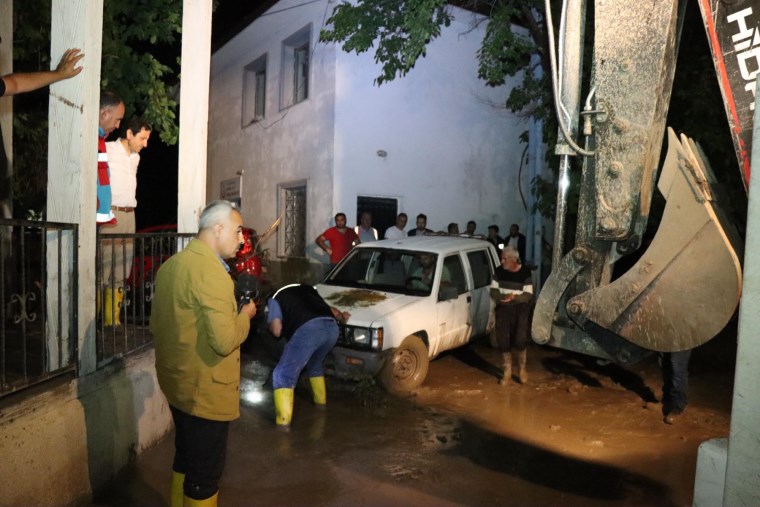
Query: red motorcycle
{"points": [[154, 245], [248, 259], [252, 259]]}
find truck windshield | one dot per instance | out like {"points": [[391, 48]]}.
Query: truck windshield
{"points": [[400, 271]]}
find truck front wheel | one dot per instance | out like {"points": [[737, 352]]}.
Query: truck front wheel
{"points": [[407, 367]]}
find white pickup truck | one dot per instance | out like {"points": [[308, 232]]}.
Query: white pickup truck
{"points": [[410, 300]]}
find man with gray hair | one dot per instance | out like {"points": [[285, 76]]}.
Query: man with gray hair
{"points": [[197, 333], [513, 292]]}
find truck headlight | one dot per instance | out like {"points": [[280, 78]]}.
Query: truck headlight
{"points": [[359, 335], [364, 338]]}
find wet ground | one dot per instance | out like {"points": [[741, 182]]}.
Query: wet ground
{"points": [[578, 434]]}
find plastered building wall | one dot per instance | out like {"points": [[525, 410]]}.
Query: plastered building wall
{"points": [[438, 141]]}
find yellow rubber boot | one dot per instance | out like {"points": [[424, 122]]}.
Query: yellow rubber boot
{"points": [[177, 494], [283, 407], [112, 306], [319, 391], [206, 502]]}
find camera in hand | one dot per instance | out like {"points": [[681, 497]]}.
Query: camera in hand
{"points": [[246, 289]]}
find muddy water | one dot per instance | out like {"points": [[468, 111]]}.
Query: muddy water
{"points": [[578, 434]]}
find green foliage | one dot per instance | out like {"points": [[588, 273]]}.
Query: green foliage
{"points": [[137, 36], [399, 32], [504, 52], [402, 30], [134, 34]]}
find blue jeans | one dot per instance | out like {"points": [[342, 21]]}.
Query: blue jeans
{"points": [[675, 378], [307, 348]]}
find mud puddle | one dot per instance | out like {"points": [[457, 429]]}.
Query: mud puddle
{"points": [[579, 433]]}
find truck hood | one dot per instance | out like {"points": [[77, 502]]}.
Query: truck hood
{"points": [[365, 306]]}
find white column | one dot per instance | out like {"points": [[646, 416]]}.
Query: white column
{"points": [[193, 103], [72, 165], [743, 464]]}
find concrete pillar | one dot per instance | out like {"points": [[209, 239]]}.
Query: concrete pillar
{"points": [[193, 104], [743, 464], [711, 473], [72, 165]]}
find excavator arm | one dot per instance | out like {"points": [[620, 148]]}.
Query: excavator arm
{"points": [[686, 286]]}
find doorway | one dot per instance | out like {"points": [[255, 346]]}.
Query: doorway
{"points": [[383, 209]]}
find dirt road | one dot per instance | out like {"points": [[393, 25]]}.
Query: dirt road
{"points": [[578, 434]]}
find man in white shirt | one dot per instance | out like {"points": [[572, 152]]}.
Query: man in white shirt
{"points": [[123, 159], [397, 231]]}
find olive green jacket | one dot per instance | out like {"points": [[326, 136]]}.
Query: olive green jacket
{"points": [[197, 334]]}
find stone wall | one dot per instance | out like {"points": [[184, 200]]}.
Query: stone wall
{"points": [[61, 444]]}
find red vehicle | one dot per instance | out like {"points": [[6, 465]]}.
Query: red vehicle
{"points": [[249, 259], [154, 245]]}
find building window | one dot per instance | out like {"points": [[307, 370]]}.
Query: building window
{"points": [[254, 91], [295, 68], [293, 229], [454, 266], [481, 267]]}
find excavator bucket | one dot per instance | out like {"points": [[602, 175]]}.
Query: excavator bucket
{"points": [[680, 294]]}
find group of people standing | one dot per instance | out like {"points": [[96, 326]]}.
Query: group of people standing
{"points": [[199, 326], [116, 172], [338, 240], [118, 163]]}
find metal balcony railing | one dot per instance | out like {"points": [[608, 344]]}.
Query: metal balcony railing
{"points": [[38, 297], [126, 269], [38, 304]]}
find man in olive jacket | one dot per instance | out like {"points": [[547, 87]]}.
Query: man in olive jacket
{"points": [[197, 332]]}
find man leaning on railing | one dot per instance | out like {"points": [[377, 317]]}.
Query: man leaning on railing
{"points": [[123, 160]]}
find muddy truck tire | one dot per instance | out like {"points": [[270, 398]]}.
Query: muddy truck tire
{"points": [[406, 368]]}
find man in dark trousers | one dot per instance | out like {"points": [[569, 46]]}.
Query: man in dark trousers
{"points": [[512, 289], [198, 329], [299, 313], [675, 384]]}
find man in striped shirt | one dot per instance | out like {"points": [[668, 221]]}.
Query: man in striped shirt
{"points": [[109, 119]]}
